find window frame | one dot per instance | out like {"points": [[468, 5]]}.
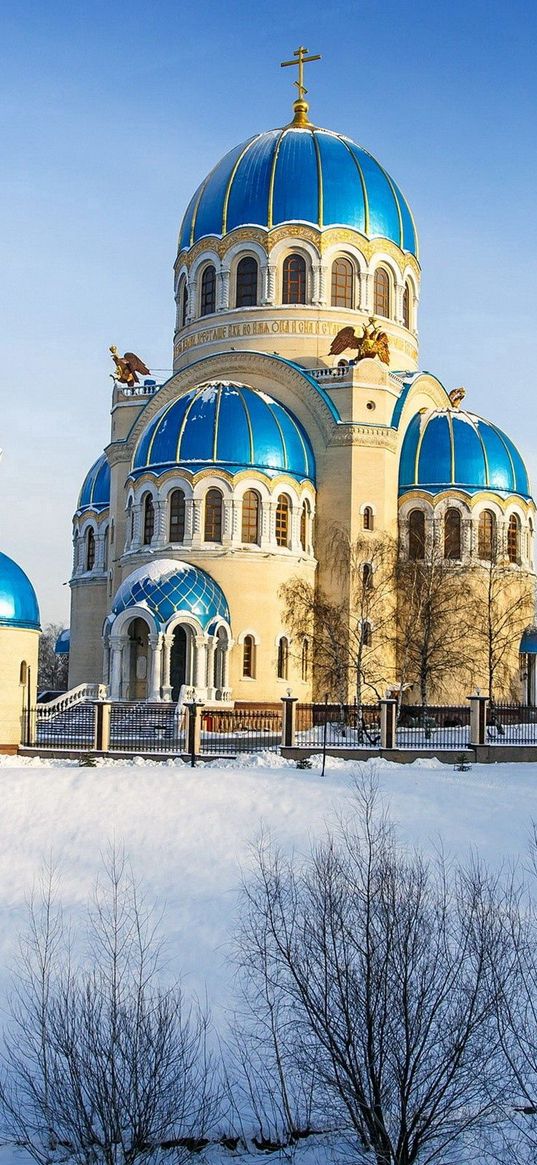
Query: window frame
{"points": [[248, 657], [290, 279], [487, 535], [213, 517], [253, 283], [283, 658], [148, 532], [384, 294], [514, 529], [282, 530], [416, 538], [452, 537], [208, 296], [179, 518], [90, 549], [342, 299], [246, 523]]}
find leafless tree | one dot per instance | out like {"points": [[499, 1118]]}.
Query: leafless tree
{"points": [[53, 669], [102, 1065], [390, 970], [501, 607]]}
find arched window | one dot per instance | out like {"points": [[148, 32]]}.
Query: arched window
{"points": [[513, 539], [382, 292], [177, 516], [250, 517], [486, 540], [130, 521], [106, 542], [23, 672], [294, 279], [248, 657], [367, 576], [367, 518], [246, 288], [213, 516], [149, 519], [90, 549], [305, 661], [283, 510], [406, 306], [305, 515], [367, 633], [452, 534], [208, 291], [416, 535], [183, 302], [283, 658], [342, 281]]}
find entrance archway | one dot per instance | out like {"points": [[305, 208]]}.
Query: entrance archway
{"points": [[138, 660], [178, 661]]}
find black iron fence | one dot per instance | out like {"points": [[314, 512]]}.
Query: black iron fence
{"points": [[440, 726], [239, 730], [511, 724], [147, 728], [69, 728], [338, 725]]}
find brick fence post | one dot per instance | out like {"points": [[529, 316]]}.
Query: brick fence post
{"points": [[101, 729], [388, 709], [288, 721], [478, 718]]}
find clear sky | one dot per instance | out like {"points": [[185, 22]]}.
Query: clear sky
{"points": [[111, 115]]}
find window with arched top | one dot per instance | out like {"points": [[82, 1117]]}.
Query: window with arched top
{"points": [[381, 292], [283, 514], [213, 516], [406, 305], [367, 518], [283, 658], [452, 534], [367, 634], [367, 576], [246, 283], [177, 516], [208, 291], [342, 283], [294, 279], [23, 672], [416, 535], [513, 539], [305, 516], [90, 549], [106, 544], [251, 513], [305, 660], [487, 536], [149, 519], [183, 302], [248, 657], [130, 521]]}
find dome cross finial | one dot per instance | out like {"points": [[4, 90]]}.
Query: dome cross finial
{"points": [[300, 106]]}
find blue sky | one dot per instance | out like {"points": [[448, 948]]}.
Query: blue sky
{"points": [[111, 115]]}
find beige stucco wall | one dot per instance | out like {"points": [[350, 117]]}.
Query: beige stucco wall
{"points": [[16, 646]]}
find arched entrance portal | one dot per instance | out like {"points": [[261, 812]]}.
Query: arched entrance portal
{"points": [[138, 660], [178, 661]]}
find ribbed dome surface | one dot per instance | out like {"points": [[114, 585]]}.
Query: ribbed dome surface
{"points": [[18, 601], [166, 587], [95, 492], [304, 175], [450, 448], [225, 425]]}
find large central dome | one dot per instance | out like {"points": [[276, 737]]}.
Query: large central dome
{"points": [[302, 175]]}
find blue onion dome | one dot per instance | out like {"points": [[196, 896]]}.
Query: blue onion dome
{"points": [[95, 492], [452, 449], [299, 175], [227, 426], [63, 642], [18, 601], [166, 587]]}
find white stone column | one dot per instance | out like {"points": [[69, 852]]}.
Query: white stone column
{"points": [[200, 662], [167, 644], [223, 290], [137, 510], [160, 537], [366, 282], [270, 531], [155, 668], [399, 293], [196, 519], [106, 662], [227, 525], [192, 300], [225, 666], [116, 666], [211, 651], [269, 283]]}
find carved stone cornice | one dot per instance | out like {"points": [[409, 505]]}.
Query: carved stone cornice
{"points": [[376, 437]]}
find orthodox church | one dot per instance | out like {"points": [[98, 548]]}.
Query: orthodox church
{"points": [[296, 403]]}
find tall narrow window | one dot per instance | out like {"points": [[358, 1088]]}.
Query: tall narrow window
{"points": [[248, 657], [452, 534], [130, 522], [367, 518], [183, 302], [342, 281], [406, 306], [305, 515], [177, 516], [486, 540], [250, 517], [208, 291], [106, 543], [382, 292], [513, 539], [367, 576], [416, 535], [213, 516], [294, 279], [90, 549], [149, 519], [246, 293], [282, 520], [367, 634], [305, 660], [283, 658]]}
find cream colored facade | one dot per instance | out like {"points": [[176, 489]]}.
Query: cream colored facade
{"points": [[18, 682]]}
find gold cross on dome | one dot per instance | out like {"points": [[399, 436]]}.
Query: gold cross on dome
{"points": [[301, 57]]}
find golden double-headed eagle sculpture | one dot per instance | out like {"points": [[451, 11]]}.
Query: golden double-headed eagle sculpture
{"points": [[128, 367], [372, 342]]}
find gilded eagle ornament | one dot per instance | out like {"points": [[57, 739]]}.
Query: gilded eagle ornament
{"points": [[128, 367], [371, 343]]}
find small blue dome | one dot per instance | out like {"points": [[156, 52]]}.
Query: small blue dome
{"points": [[95, 492], [449, 448], [18, 602], [166, 587], [304, 175], [63, 642], [229, 426]]}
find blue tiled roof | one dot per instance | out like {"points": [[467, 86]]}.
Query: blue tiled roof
{"points": [[226, 425], [528, 643], [63, 642], [447, 448], [305, 175], [95, 492], [18, 601], [165, 587]]}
